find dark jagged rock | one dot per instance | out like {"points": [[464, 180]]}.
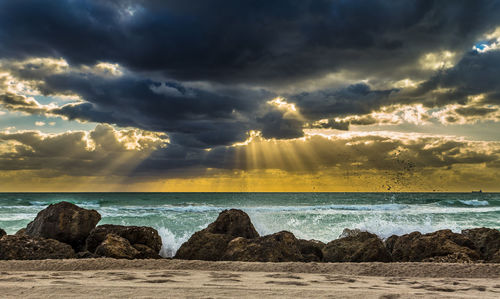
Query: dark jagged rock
{"points": [[21, 232], [311, 250], [347, 232], [210, 243], [204, 246], [450, 258], [278, 247], [33, 248], [85, 255], [145, 252], [235, 223], [117, 247], [134, 234], [416, 247], [2, 233], [64, 222], [486, 241], [495, 258], [359, 247]]}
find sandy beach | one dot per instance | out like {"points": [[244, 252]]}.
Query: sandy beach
{"points": [[113, 278]]}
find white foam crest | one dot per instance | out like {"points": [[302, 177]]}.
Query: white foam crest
{"points": [[474, 202], [171, 242], [16, 217]]}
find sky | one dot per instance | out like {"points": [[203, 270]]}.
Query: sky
{"points": [[281, 95]]}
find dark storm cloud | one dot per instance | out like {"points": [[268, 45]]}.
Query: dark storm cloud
{"points": [[475, 74], [243, 41], [235, 48], [274, 124], [354, 99]]}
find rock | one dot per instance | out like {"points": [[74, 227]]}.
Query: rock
{"points": [[450, 258], [117, 247], [347, 232], [21, 232], [415, 247], [134, 234], [2, 233], [389, 243], [204, 246], [235, 223], [85, 255], [359, 247], [33, 248], [311, 250], [486, 241], [64, 222], [278, 247], [495, 258], [145, 252], [210, 243]]}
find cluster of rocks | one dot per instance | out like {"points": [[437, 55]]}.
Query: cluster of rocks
{"points": [[64, 230], [232, 237]]}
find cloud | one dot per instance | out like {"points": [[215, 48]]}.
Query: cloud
{"points": [[102, 151], [267, 42]]}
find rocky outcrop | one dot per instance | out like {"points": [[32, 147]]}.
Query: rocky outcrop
{"points": [[64, 222], [210, 243], [86, 255], [204, 246], [134, 234], [234, 223], [21, 232], [486, 241], [311, 250], [416, 247], [347, 232], [145, 252], [356, 247], [450, 258], [278, 247], [33, 248], [115, 246], [2, 233]]}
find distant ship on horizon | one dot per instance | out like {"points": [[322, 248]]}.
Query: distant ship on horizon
{"points": [[480, 191]]}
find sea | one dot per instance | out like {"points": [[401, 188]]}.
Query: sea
{"points": [[319, 216]]}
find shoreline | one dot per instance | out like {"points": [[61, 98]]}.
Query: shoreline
{"points": [[394, 269]]}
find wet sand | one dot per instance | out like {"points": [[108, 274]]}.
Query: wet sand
{"points": [[176, 278]]}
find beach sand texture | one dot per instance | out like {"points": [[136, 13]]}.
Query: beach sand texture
{"points": [[110, 278]]}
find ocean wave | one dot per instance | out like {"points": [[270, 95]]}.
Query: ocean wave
{"points": [[172, 242], [471, 203], [474, 202]]}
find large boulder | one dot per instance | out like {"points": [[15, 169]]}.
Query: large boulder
{"points": [[311, 250], [356, 247], [211, 242], [203, 245], [416, 247], [134, 234], [33, 248], [21, 232], [278, 247], [235, 223], [2, 233], [117, 247], [64, 222], [486, 241], [145, 252]]}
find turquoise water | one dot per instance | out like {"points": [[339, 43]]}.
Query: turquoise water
{"points": [[320, 216]]}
